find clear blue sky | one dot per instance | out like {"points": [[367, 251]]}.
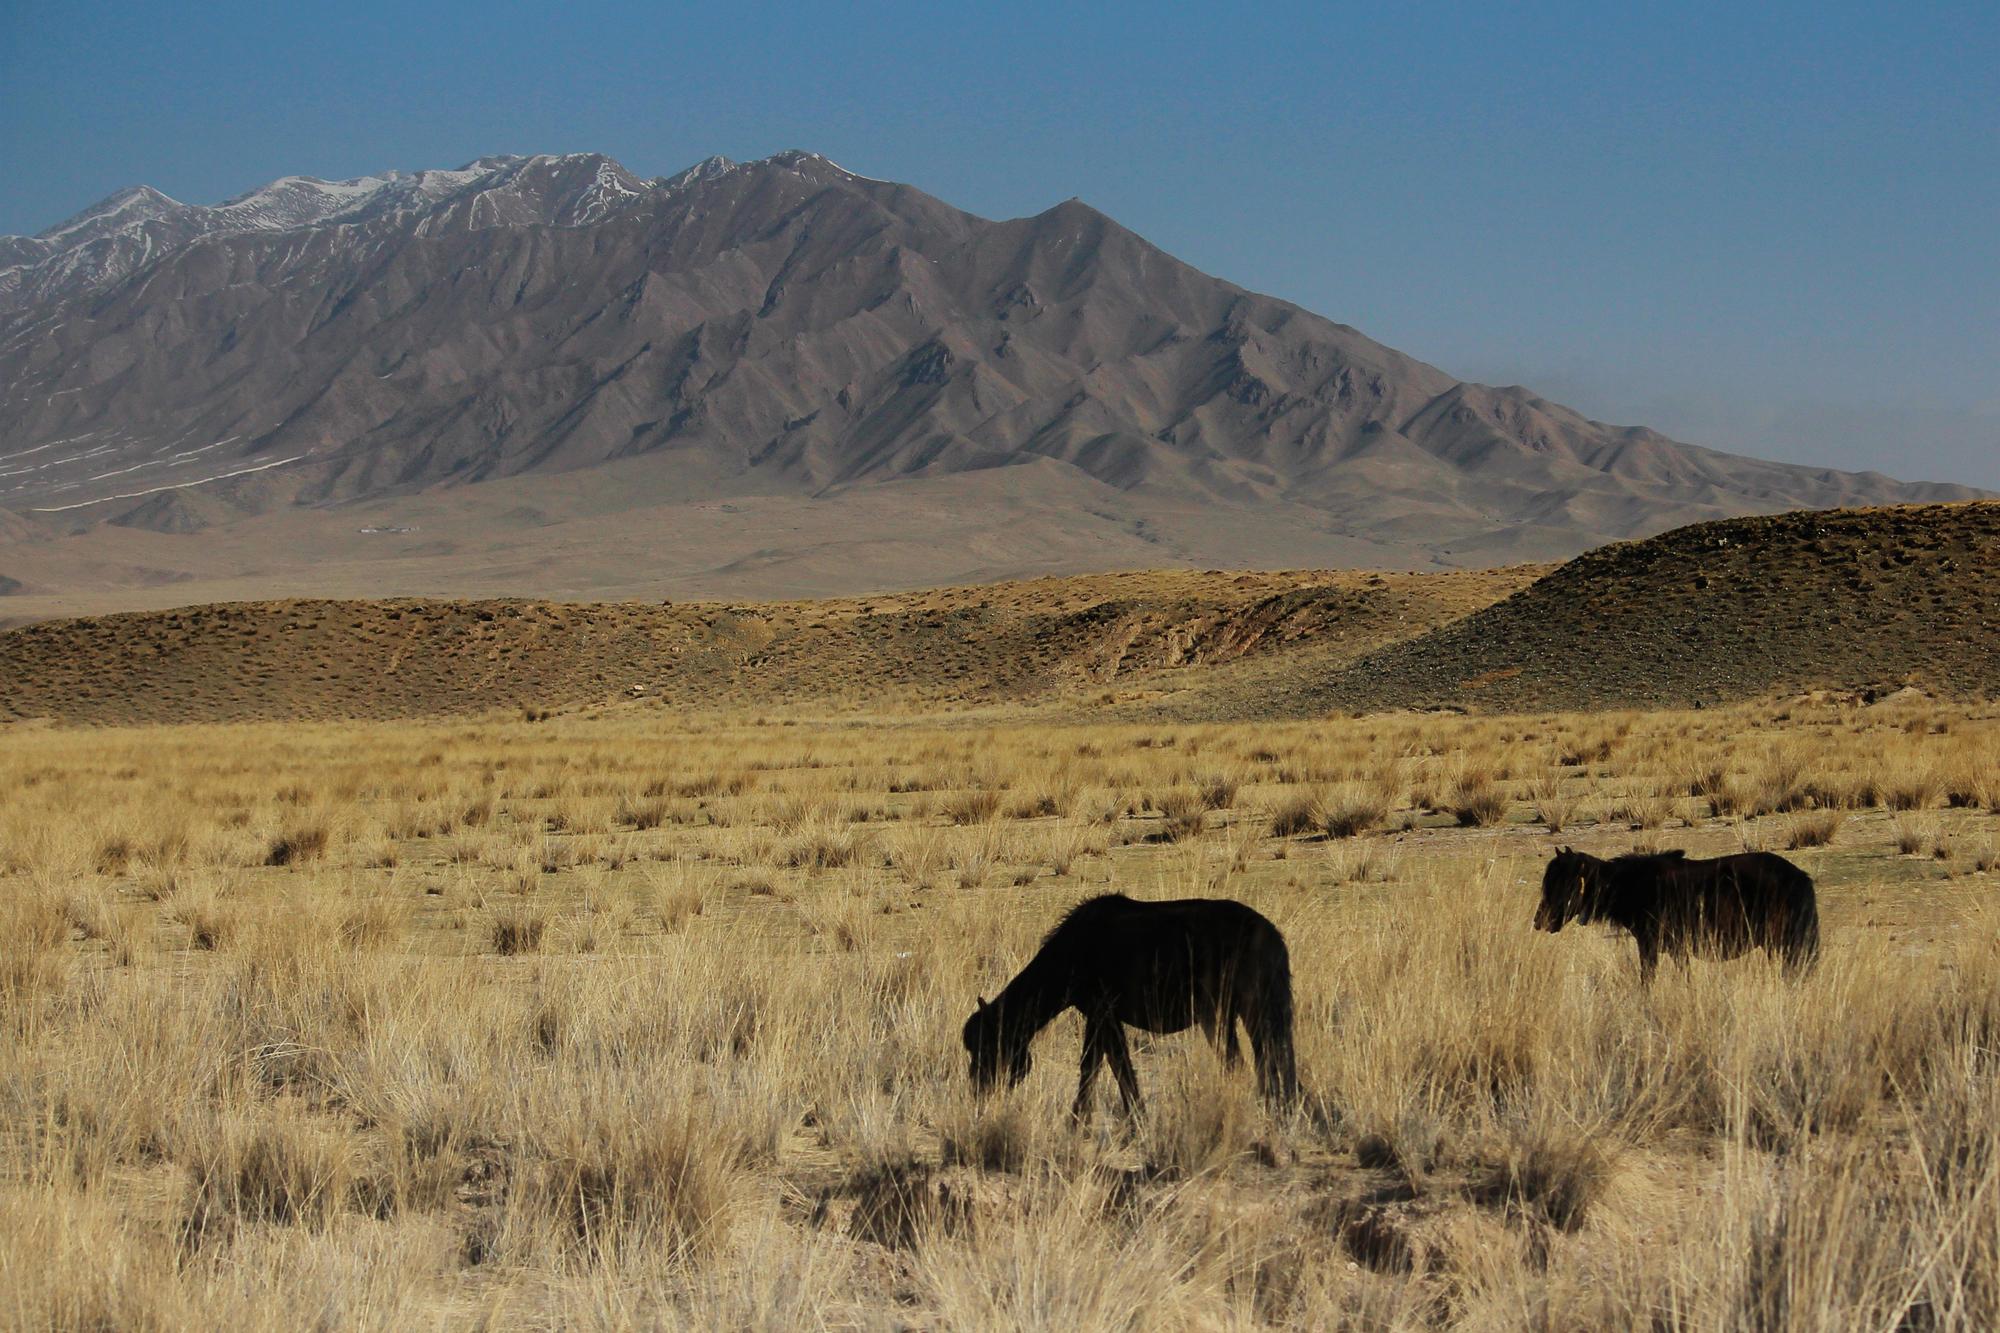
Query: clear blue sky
{"points": [[1764, 227]]}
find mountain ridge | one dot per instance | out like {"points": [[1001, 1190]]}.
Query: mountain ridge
{"points": [[780, 327]]}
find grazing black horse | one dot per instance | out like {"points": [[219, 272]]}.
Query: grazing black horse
{"points": [[1717, 909], [1158, 966]]}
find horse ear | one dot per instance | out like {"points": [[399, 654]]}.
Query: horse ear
{"points": [[982, 1002]]}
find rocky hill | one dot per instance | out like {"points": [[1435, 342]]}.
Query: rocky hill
{"points": [[1083, 641], [1861, 601], [775, 328]]}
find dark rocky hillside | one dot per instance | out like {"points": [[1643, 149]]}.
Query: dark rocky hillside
{"points": [[1866, 601]]}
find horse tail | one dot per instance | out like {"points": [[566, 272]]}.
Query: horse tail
{"points": [[1277, 1060]]}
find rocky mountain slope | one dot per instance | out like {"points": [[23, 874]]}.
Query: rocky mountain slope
{"points": [[775, 328], [1856, 601]]}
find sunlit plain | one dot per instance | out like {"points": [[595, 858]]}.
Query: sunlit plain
{"points": [[628, 1019]]}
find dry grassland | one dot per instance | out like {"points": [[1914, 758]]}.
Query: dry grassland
{"points": [[630, 1020]]}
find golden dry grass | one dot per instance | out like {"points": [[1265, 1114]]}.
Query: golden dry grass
{"points": [[629, 1020]]}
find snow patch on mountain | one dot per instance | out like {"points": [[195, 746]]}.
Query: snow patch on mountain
{"points": [[123, 233]]}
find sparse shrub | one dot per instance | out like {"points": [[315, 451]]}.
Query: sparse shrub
{"points": [[1352, 808], [1411, 1145], [1642, 811], [158, 884], [374, 922], [1218, 790], [127, 944], [897, 1203], [1781, 785], [116, 851], [1705, 776], [676, 906], [972, 865], [380, 854], [278, 1169], [1361, 861], [1552, 1175], [417, 819], [623, 1185], [572, 813], [32, 927], [916, 851], [1914, 790], [305, 840], [89, 915], [519, 930], [978, 805], [1814, 830], [1581, 749], [1478, 802], [1863, 792], [1200, 1125], [824, 845], [1553, 808], [1737, 800], [1914, 836], [989, 1138], [1184, 815], [1298, 814], [210, 925], [1057, 799], [1116, 807], [644, 812], [851, 922], [1064, 843]]}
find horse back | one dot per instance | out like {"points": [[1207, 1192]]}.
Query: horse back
{"points": [[1742, 902], [1164, 956]]}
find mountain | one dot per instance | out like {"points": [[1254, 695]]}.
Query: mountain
{"points": [[781, 329]]}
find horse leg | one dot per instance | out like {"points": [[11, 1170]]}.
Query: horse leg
{"points": [[1120, 1056], [1270, 1027], [1276, 1081], [1649, 961], [1093, 1055], [1220, 1029]]}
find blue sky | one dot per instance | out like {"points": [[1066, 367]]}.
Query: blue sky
{"points": [[1767, 228]]}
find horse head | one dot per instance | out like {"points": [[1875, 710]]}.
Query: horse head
{"points": [[1567, 890], [992, 1041]]}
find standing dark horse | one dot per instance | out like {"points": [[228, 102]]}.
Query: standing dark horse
{"points": [[1158, 966], [1717, 909]]}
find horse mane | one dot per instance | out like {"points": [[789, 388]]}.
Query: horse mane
{"points": [[1633, 858], [1089, 907]]}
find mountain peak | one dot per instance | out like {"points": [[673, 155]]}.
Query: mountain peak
{"points": [[786, 327], [128, 207]]}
